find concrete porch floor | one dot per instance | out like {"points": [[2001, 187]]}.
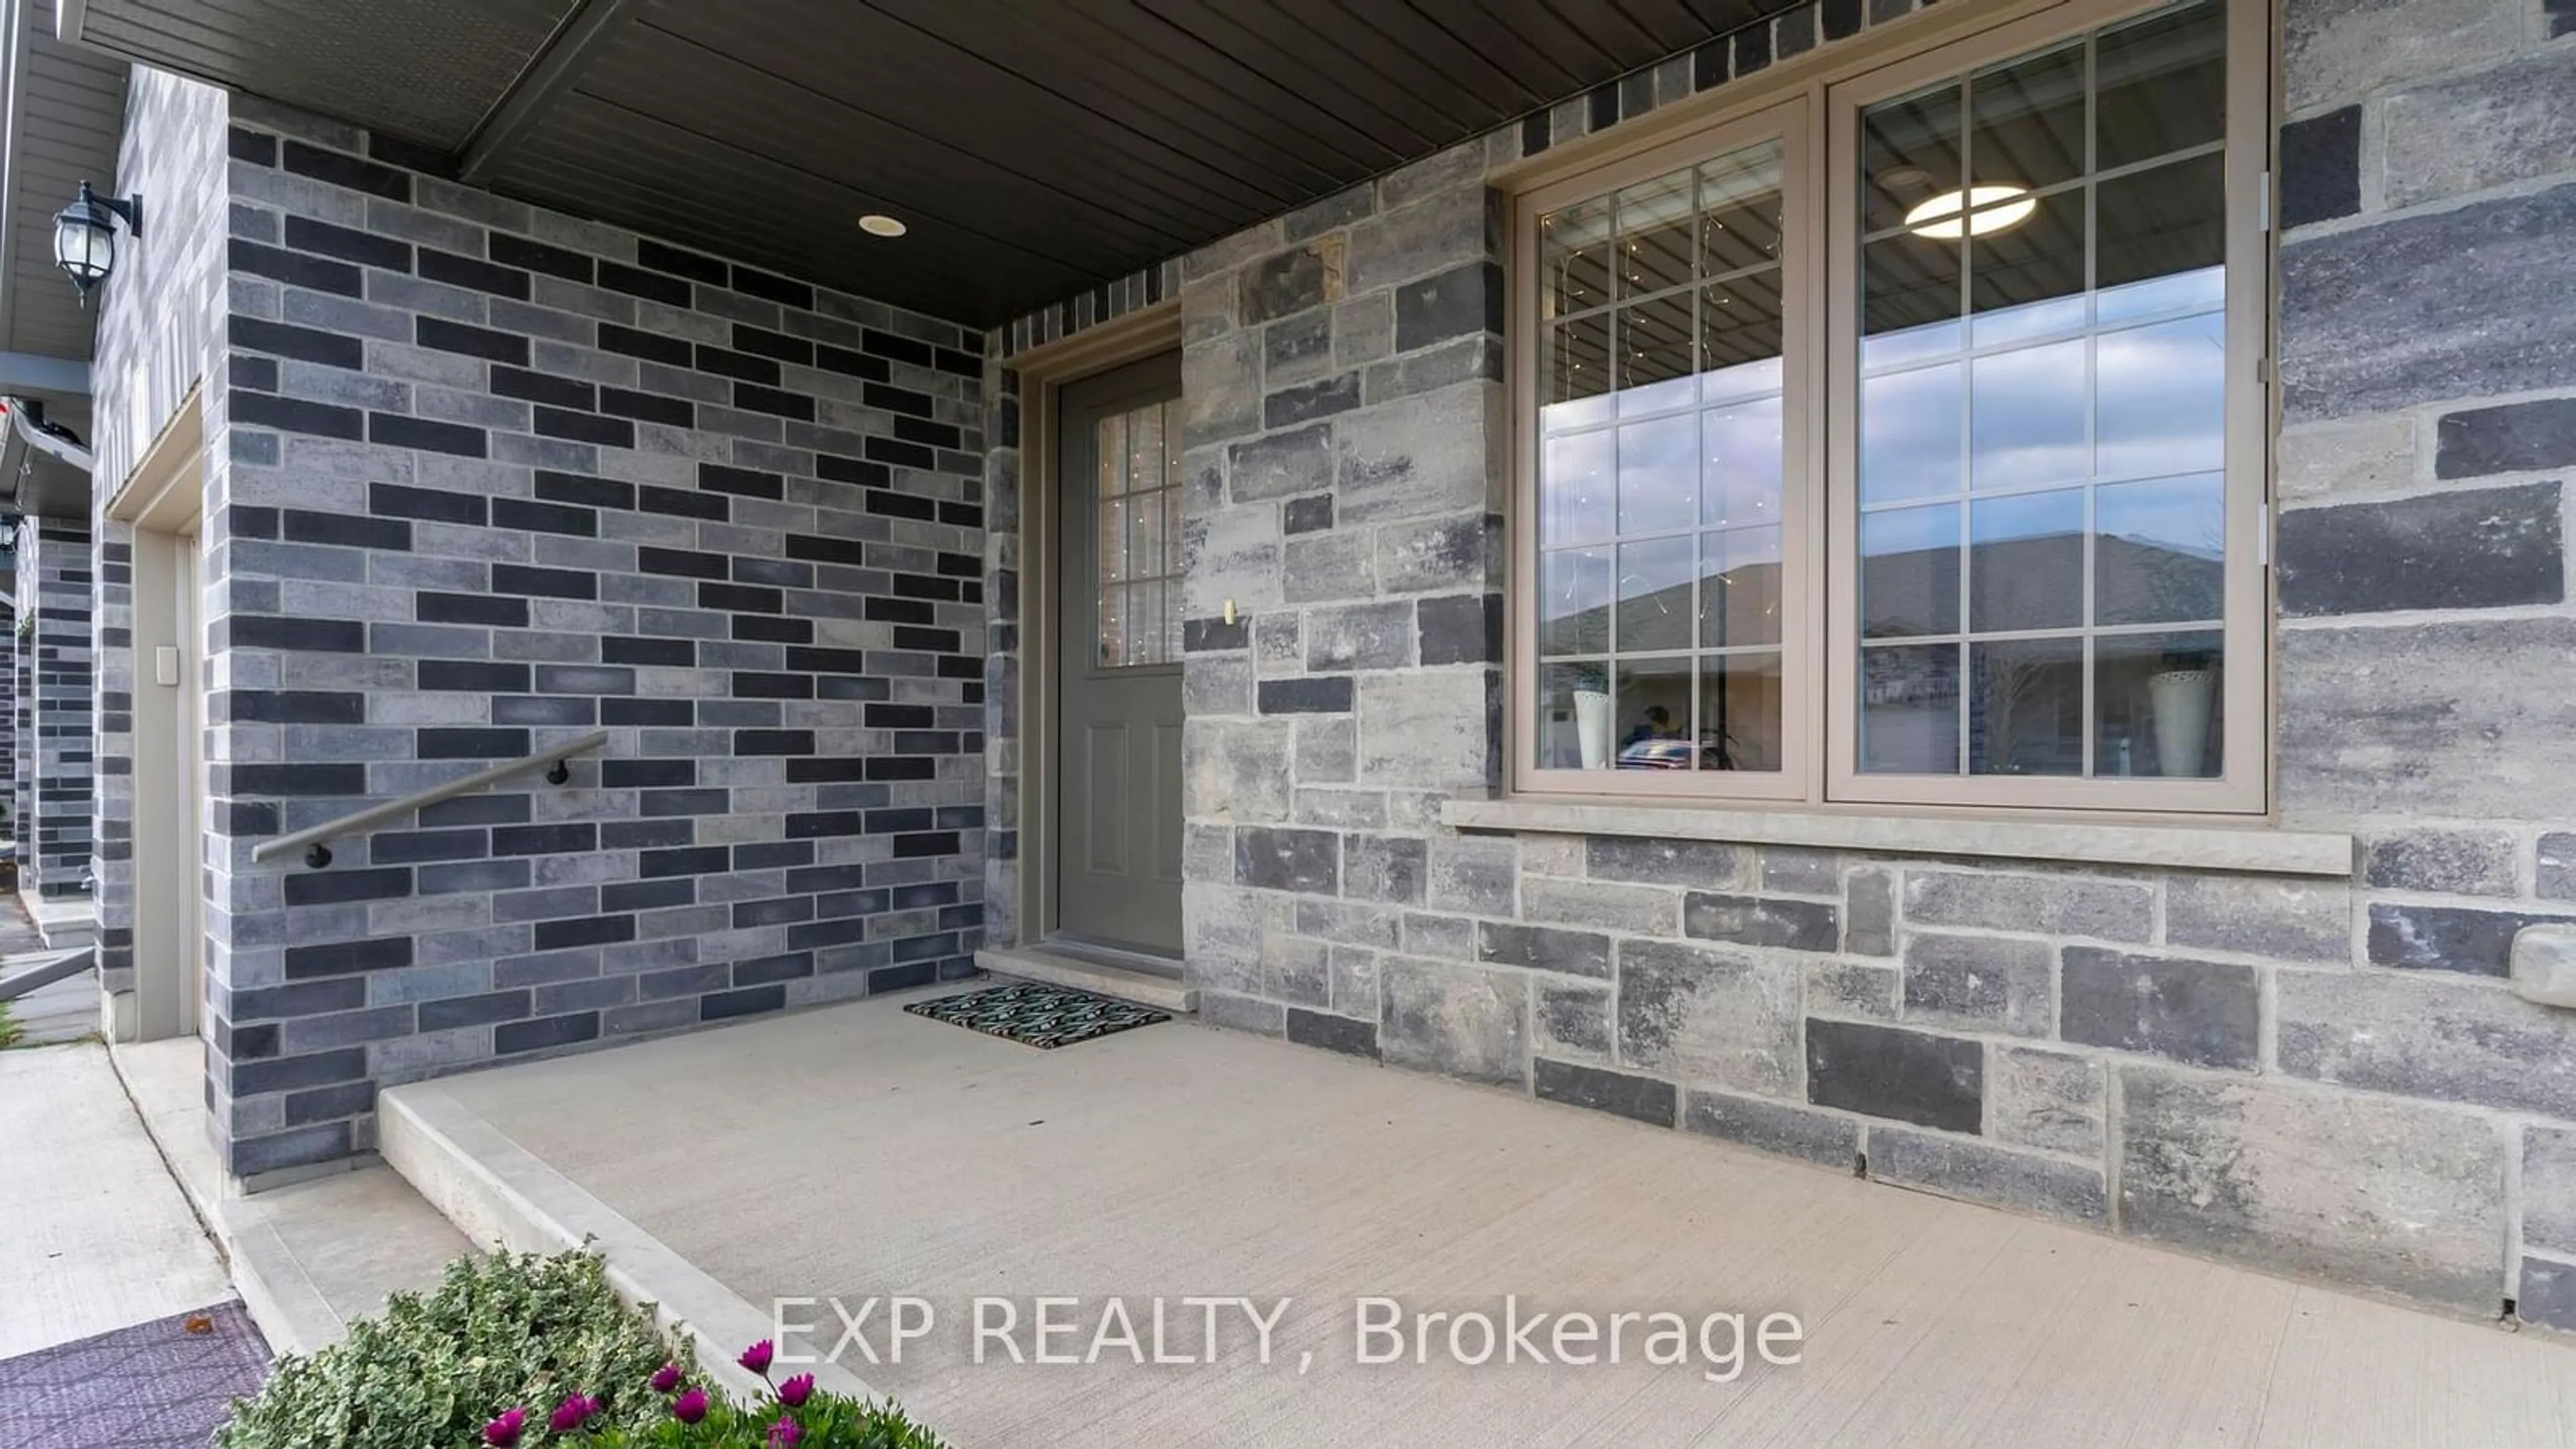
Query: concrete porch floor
{"points": [[859, 1151]]}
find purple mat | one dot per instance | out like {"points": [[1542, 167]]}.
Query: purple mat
{"points": [[154, 1384]]}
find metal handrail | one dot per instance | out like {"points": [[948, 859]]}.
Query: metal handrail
{"points": [[310, 839], [63, 967]]}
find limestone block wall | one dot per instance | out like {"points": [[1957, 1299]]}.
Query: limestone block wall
{"points": [[2324, 1076]]}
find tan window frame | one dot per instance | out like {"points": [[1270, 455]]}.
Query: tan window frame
{"points": [[1819, 579]]}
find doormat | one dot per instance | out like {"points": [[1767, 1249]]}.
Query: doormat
{"points": [[1033, 1013], [168, 1382]]}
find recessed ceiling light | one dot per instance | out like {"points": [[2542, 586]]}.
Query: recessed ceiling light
{"points": [[877, 223], [1996, 208], [1903, 176]]}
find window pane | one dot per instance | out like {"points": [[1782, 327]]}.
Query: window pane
{"points": [[1145, 448], [1577, 486], [2026, 416], [1739, 712], [1740, 217], [1739, 590], [1655, 227], [1909, 300], [2026, 562], [1574, 725], [1654, 714], [1577, 372], [2028, 120], [1909, 572], [2160, 555], [2163, 397], [1659, 475], [1113, 626], [1739, 336], [2027, 281], [1740, 479], [1145, 623], [2026, 707], [2159, 700], [1113, 540], [1909, 709], [1909, 154], [1655, 595], [1574, 252], [1111, 435], [2163, 86], [1655, 354], [2086, 456], [1145, 535], [2164, 238], [1909, 434], [1574, 601]]}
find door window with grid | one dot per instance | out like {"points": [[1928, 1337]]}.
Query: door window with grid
{"points": [[1139, 511]]}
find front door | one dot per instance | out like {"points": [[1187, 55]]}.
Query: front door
{"points": [[1118, 659]]}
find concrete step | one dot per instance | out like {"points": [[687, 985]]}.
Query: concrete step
{"points": [[308, 1258], [1056, 967], [494, 1191]]}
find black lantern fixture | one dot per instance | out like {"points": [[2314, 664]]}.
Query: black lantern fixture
{"points": [[85, 236]]}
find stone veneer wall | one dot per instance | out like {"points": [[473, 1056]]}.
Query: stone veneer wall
{"points": [[57, 559], [2323, 1076], [482, 478]]}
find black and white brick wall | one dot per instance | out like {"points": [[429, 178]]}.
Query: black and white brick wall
{"points": [[22, 736], [158, 326], [56, 561], [484, 478], [2323, 1075]]}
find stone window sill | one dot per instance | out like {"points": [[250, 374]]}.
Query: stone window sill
{"points": [[2253, 847]]}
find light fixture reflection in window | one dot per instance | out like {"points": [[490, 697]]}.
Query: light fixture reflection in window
{"points": [[1996, 208]]}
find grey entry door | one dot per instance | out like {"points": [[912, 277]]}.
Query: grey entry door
{"points": [[1118, 664]]}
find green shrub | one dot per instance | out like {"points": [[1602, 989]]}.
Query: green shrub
{"points": [[794, 1415], [508, 1329]]}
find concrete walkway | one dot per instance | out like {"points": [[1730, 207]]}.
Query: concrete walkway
{"points": [[94, 1234], [859, 1152]]}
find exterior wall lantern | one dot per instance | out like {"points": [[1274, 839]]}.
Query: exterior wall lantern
{"points": [[85, 236]]}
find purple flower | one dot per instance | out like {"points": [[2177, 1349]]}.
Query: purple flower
{"points": [[784, 1434], [690, 1407], [666, 1378], [503, 1432], [794, 1392], [572, 1413], [756, 1358]]}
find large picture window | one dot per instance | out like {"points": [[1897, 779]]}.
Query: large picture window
{"points": [[1922, 465]]}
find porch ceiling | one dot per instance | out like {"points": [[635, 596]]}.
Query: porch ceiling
{"points": [[63, 106], [1035, 147]]}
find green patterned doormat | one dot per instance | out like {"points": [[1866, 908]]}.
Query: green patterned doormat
{"points": [[1036, 1014]]}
